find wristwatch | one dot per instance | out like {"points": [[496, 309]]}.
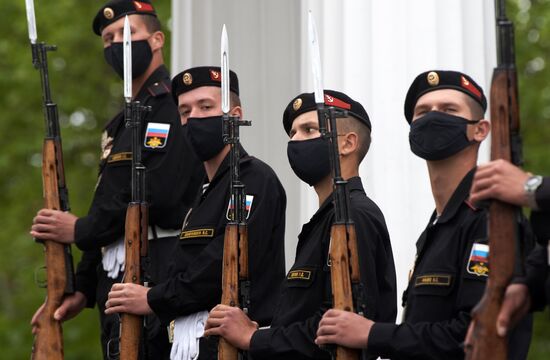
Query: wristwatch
{"points": [[529, 188]]}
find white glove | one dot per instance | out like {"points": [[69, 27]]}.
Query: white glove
{"points": [[179, 341], [187, 333], [113, 258]]}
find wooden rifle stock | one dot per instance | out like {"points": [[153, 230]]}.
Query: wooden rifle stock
{"points": [[486, 343], [347, 290], [135, 240], [132, 341], [235, 284], [235, 238], [344, 269], [505, 144], [48, 342]]}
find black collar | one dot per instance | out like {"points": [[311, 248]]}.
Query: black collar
{"points": [[224, 167], [354, 184], [460, 195]]}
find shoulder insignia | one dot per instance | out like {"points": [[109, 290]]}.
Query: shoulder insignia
{"points": [[159, 88], [433, 280], [299, 275], [197, 233], [156, 135], [478, 263], [248, 209], [106, 145], [122, 156]]}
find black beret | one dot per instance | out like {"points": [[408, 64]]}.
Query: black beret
{"points": [[306, 102], [201, 76], [442, 79], [115, 9]]}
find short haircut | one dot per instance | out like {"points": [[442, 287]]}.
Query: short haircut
{"points": [[352, 124], [152, 23], [477, 111], [234, 99]]}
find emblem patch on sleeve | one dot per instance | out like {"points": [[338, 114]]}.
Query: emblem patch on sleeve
{"points": [[478, 263], [249, 200], [156, 135]]}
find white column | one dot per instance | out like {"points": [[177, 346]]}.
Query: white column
{"points": [[371, 50], [264, 50]]}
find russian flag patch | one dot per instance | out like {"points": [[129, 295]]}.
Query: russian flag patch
{"points": [[156, 135], [478, 263]]}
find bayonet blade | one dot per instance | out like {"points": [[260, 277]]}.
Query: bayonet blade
{"points": [[31, 20], [127, 46], [225, 71], [315, 60]]}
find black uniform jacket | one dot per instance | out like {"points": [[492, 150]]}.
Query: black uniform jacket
{"points": [[173, 175], [537, 265], [543, 195], [306, 292], [196, 271], [448, 280]]}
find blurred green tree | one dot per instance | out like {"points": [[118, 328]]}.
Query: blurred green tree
{"points": [[88, 94], [532, 19]]}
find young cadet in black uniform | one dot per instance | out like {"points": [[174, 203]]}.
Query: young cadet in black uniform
{"points": [[445, 110], [506, 182], [306, 293], [194, 285], [170, 162]]}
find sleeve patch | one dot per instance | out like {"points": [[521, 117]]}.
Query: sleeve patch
{"points": [[156, 135], [478, 263]]}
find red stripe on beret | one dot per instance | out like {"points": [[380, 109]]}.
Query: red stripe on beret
{"points": [[470, 87], [141, 6], [332, 101]]}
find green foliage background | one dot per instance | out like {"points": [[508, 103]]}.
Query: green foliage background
{"points": [[88, 94]]}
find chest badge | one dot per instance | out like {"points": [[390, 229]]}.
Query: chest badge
{"points": [[248, 209], [299, 275], [478, 263], [156, 135]]}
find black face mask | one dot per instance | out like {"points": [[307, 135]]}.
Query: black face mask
{"points": [[141, 57], [206, 136], [437, 135], [309, 159]]}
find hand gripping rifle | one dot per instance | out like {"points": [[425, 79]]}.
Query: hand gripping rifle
{"points": [[235, 283], [48, 342], [135, 237], [505, 144], [347, 288]]}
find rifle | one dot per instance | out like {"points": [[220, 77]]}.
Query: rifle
{"points": [[135, 235], [505, 144], [48, 342], [235, 283], [347, 288]]}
